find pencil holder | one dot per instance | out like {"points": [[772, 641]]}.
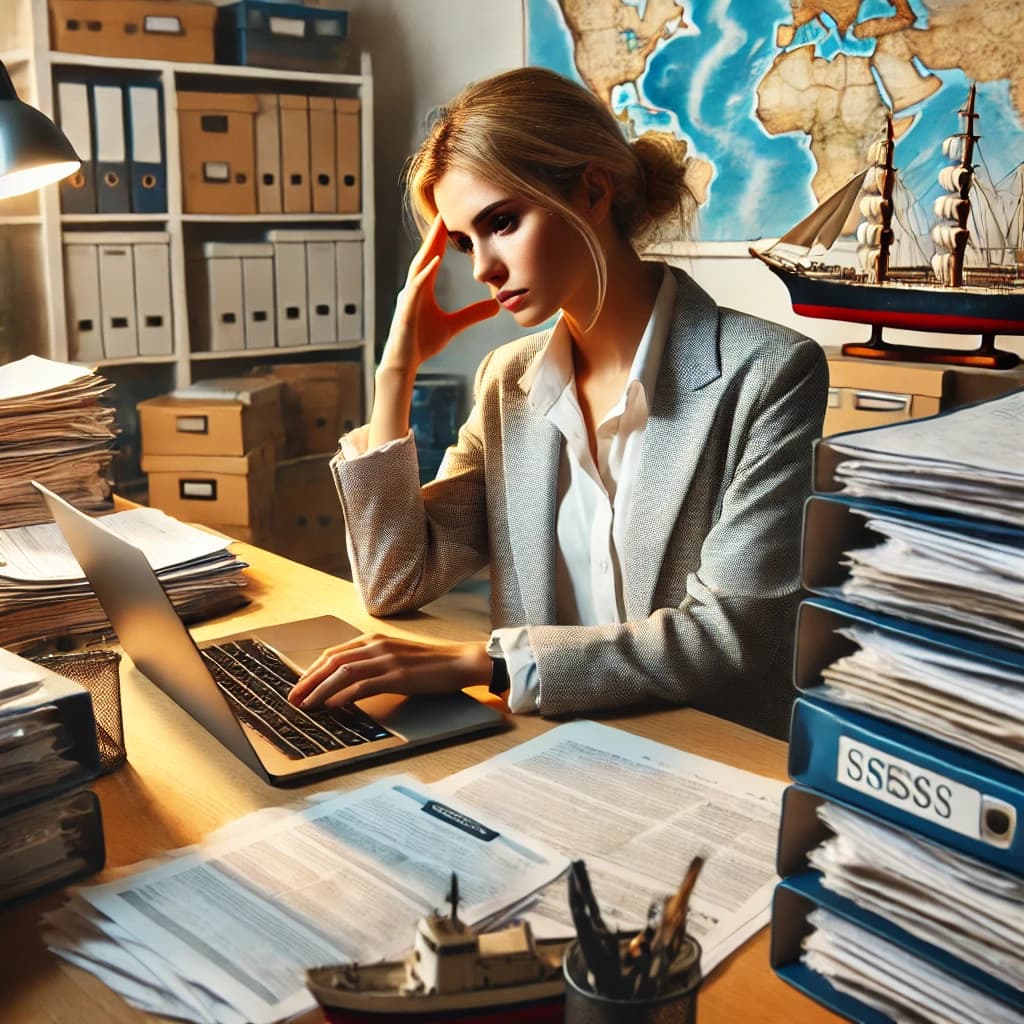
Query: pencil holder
{"points": [[676, 1004], [99, 672]]}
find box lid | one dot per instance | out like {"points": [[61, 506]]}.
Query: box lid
{"points": [[246, 390], [252, 462], [115, 237], [291, 235]]}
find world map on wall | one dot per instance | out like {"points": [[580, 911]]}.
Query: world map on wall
{"points": [[779, 100]]}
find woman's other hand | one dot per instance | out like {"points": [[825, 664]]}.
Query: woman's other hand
{"points": [[373, 663]]}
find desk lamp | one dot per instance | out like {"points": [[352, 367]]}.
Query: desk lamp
{"points": [[33, 151]]}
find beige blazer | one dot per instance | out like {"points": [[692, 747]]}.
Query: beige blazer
{"points": [[710, 567]]}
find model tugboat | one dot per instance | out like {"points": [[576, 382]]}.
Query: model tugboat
{"points": [[452, 973]]}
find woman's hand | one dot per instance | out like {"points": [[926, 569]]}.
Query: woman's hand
{"points": [[420, 328], [372, 664]]}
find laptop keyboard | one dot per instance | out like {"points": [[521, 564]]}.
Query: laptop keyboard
{"points": [[257, 682]]}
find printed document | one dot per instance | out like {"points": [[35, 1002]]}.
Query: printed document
{"points": [[245, 913], [637, 811]]}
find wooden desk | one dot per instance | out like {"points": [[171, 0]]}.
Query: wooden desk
{"points": [[180, 784]]}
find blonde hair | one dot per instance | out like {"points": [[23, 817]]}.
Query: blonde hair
{"points": [[535, 133]]}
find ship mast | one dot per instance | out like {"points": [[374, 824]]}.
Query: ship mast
{"points": [[875, 232], [956, 179]]}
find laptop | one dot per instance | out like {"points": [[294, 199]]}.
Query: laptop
{"points": [[241, 707]]}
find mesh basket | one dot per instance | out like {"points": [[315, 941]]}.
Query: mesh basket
{"points": [[99, 673]]}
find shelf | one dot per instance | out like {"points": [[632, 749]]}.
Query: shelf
{"points": [[292, 350], [114, 218], [275, 218], [27, 218], [121, 64], [128, 361]]}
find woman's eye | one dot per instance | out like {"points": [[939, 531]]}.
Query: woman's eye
{"points": [[503, 223]]}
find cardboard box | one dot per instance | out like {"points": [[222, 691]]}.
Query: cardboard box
{"points": [[320, 401], [218, 151], [146, 29], [216, 489], [177, 425], [307, 523], [863, 393]]}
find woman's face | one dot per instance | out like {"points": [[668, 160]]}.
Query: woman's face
{"points": [[534, 261]]}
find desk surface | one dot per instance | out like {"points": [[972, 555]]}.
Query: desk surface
{"points": [[180, 784]]}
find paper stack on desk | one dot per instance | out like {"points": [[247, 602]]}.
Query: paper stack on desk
{"points": [[44, 593], [243, 914], [53, 429]]}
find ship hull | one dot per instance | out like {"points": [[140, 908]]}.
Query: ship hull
{"points": [[916, 307]]}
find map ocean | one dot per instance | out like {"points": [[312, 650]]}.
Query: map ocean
{"points": [[701, 84]]}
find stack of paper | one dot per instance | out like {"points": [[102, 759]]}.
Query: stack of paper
{"points": [[50, 829], [967, 461], [223, 932], [52, 429], [942, 897], [972, 703], [944, 578], [44, 593]]}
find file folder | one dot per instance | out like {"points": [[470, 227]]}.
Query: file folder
{"points": [[66, 708], [78, 192], [296, 196], [292, 318], [113, 194], [832, 526], [258, 295], [322, 163], [146, 148], [82, 291], [349, 265], [117, 300], [795, 897], [216, 299], [268, 155], [944, 793], [153, 296], [321, 292], [49, 844], [348, 148]]}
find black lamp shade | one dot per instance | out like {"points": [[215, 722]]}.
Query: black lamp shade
{"points": [[33, 150]]}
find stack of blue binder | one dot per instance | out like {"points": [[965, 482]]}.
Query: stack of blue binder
{"points": [[910, 763]]}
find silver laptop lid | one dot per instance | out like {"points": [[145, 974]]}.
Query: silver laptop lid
{"points": [[147, 624]]}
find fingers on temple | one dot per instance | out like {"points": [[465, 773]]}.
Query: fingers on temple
{"points": [[432, 245]]}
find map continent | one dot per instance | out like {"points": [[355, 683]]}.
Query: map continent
{"points": [[779, 101]]}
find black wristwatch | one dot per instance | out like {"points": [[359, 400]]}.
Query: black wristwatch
{"points": [[499, 669]]}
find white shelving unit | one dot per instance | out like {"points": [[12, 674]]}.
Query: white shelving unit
{"points": [[31, 17]]}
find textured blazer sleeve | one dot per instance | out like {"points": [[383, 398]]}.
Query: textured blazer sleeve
{"points": [[725, 647], [409, 545]]}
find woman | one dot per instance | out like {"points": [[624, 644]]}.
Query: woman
{"points": [[633, 475]]}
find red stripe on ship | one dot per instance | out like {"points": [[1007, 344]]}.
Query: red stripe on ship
{"points": [[913, 321]]}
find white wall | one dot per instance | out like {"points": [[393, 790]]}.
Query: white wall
{"points": [[424, 52]]}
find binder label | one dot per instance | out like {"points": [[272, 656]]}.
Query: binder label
{"points": [[913, 789]]}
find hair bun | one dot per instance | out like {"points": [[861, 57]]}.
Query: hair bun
{"points": [[663, 160]]}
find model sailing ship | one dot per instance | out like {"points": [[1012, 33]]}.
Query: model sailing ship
{"points": [[452, 974], [973, 286]]}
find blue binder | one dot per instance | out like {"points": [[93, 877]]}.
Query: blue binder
{"points": [[832, 526], [818, 644], [147, 162], [74, 115], [113, 194], [930, 787], [797, 896]]}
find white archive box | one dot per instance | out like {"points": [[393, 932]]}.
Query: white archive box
{"points": [[119, 294], [319, 277], [231, 296]]}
